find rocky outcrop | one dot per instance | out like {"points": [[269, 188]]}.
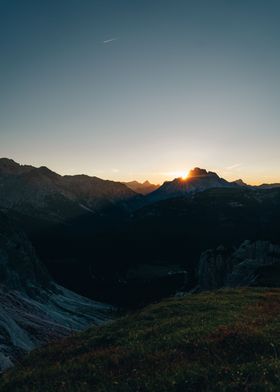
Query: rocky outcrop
{"points": [[253, 263], [214, 267], [19, 267], [33, 309]]}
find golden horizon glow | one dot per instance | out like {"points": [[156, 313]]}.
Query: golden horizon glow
{"points": [[154, 176], [182, 174]]}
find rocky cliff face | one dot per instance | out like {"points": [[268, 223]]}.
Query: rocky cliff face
{"points": [[253, 263], [19, 267], [33, 309], [214, 267]]}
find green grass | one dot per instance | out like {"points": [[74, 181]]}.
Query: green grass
{"points": [[227, 340]]}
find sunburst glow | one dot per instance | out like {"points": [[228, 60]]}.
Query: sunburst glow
{"points": [[184, 175], [181, 174]]}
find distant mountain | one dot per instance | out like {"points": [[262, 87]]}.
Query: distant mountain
{"points": [[263, 186], [240, 182], [269, 186], [33, 309], [44, 194], [198, 180], [143, 188]]}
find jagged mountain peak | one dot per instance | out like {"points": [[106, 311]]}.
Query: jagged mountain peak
{"points": [[143, 188], [198, 172], [240, 182], [198, 180]]}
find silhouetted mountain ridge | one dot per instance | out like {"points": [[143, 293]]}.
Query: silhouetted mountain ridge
{"points": [[40, 192], [10, 167], [143, 188], [198, 180]]}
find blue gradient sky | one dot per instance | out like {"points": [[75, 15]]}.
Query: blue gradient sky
{"points": [[181, 84]]}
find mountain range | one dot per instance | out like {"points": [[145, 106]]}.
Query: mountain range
{"points": [[198, 180], [102, 240], [95, 235], [143, 188], [44, 194]]}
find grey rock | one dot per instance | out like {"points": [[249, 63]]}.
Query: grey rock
{"points": [[33, 309], [240, 267]]}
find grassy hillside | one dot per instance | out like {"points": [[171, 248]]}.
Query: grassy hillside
{"points": [[227, 340]]}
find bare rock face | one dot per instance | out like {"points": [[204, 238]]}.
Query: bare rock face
{"points": [[19, 267], [214, 267], [253, 263], [33, 309]]}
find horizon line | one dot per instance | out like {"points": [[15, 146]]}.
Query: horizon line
{"points": [[114, 172]]}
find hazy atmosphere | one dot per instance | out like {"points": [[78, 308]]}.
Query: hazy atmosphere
{"points": [[142, 90]]}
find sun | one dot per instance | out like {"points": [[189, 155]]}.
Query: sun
{"points": [[184, 175]]}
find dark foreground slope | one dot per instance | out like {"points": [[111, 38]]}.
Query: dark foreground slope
{"points": [[227, 340], [33, 309]]}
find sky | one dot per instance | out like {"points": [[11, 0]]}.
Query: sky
{"points": [[142, 89]]}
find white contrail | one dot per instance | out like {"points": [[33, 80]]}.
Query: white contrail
{"points": [[107, 41], [235, 166]]}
